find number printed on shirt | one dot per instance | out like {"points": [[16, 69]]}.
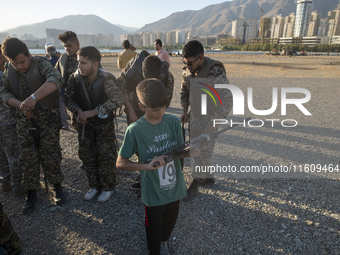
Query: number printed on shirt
{"points": [[167, 175]]}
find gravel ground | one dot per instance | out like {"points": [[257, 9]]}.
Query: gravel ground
{"points": [[232, 216]]}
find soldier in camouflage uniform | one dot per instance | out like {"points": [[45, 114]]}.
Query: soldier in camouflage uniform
{"points": [[67, 64], [199, 66], [92, 96], [143, 66], [10, 171], [31, 85], [9, 240]]}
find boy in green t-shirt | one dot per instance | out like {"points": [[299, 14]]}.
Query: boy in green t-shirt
{"points": [[162, 187]]}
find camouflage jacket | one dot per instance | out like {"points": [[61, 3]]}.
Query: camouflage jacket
{"points": [[115, 95], [7, 116], [46, 71]]}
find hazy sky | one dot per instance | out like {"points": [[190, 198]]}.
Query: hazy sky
{"points": [[131, 13]]}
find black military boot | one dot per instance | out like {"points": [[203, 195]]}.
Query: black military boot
{"points": [[60, 196], [30, 201]]}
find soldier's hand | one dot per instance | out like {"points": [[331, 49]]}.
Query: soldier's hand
{"points": [[80, 117], [184, 118], [89, 114], [27, 105]]}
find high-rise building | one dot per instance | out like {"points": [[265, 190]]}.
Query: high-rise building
{"points": [[180, 36], [137, 40], [244, 29], [264, 30], [161, 36], [171, 37], [303, 13], [252, 29], [238, 28], [314, 24], [277, 27], [146, 39], [152, 38], [323, 27], [333, 23], [288, 27]]}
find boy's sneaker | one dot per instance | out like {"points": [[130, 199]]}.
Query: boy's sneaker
{"points": [[104, 196], [91, 194], [164, 248]]}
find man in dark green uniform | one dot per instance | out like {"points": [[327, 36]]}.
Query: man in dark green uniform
{"points": [[92, 96], [31, 85], [67, 64], [199, 66]]}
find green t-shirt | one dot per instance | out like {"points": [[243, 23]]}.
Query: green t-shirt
{"points": [[166, 184]]}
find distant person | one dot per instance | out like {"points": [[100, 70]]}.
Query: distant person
{"points": [[31, 86], [196, 65], [162, 54], [67, 64], [92, 96], [125, 56], [51, 53], [163, 186], [10, 170]]}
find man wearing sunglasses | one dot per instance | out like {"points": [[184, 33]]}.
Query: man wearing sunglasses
{"points": [[199, 66]]}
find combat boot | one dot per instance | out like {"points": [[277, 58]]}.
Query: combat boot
{"points": [[30, 201], [60, 196]]}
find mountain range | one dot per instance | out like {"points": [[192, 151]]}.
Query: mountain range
{"points": [[211, 20], [81, 24], [217, 18]]}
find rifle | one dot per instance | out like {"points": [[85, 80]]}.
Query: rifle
{"points": [[34, 133], [87, 106], [87, 103], [193, 144]]}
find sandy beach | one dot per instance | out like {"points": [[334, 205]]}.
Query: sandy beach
{"points": [[235, 215]]}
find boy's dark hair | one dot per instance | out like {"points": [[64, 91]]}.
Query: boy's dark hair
{"points": [[91, 53], [12, 47], [68, 35], [126, 44], [151, 67], [152, 93], [192, 49], [158, 41], [0, 50]]}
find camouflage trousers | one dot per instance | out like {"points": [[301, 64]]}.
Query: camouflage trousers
{"points": [[10, 170], [9, 240], [198, 126], [39, 146], [98, 152]]}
